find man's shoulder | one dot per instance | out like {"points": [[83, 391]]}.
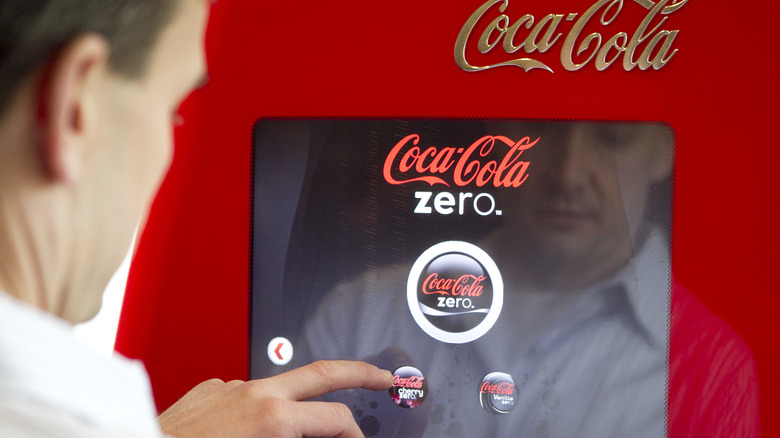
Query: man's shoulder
{"points": [[47, 374], [696, 331], [713, 382], [32, 420]]}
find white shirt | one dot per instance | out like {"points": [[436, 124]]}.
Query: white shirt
{"points": [[52, 385], [597, 370]]}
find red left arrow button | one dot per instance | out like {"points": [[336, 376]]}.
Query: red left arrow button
{"points": [[280, 351]]}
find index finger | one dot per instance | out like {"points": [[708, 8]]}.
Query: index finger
{"points": [[321, 377]]}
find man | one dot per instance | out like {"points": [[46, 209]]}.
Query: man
{"points": [[583, 252], [88, 92]]}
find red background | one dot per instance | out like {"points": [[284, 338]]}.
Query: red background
{"points": [[185, 313]]}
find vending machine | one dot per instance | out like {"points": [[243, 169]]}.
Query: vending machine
{"points": [[551, 218]]}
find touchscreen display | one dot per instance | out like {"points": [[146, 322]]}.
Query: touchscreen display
{"points": [[513, 274]]}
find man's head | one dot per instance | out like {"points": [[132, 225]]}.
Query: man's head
{"points": [[85, 136], [584, 205], [32, 30]]}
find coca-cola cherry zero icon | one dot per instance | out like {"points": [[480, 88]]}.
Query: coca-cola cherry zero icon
{"points": [[409, 387]]}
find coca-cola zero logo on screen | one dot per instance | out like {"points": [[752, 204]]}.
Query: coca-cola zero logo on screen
{"points": [[455, 292], [490, 162]]}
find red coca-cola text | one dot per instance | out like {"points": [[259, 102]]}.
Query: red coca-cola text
{"points": [[408, 382], [465, 285], [471, 166], [503, 388]]}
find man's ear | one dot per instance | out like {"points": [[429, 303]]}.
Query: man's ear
{"points": [[66, 113]]}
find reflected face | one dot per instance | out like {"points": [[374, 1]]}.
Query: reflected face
{"points": [[587, 190]]}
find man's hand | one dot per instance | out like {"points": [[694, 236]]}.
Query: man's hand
{"points": [[272, 407]]}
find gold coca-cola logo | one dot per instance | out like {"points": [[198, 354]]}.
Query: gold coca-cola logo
{"points": [[650, 44]]}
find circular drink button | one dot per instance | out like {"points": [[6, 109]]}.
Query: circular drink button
{"points": [[410, 388], [455, 292], [498, 393]]}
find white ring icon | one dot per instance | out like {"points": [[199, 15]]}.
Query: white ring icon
{"points": [[467, 249]]}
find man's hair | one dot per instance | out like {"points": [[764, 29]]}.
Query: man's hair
{"points": [[32, 30]]}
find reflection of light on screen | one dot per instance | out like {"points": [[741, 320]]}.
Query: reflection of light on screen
{"points": [[433, 312], [456, 262]]}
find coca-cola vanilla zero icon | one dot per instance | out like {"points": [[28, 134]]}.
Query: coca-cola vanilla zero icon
{"points": [[455, 292], [498, 393]]}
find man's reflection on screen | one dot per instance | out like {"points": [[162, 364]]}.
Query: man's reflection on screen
{"points": [[583, 249]]}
